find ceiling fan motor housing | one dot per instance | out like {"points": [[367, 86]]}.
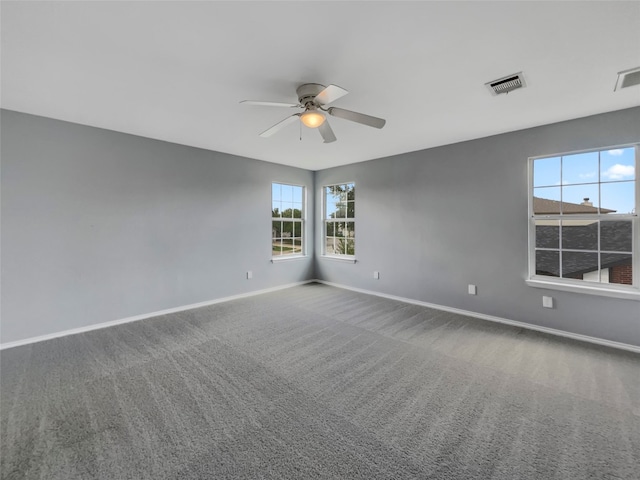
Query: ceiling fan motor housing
{"points": [[307, 92]]}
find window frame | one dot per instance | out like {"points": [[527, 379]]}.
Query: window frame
{"points": [[302, 220], [584, 286], [333, 256]]}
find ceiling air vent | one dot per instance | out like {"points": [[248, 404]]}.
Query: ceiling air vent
{"points": [[628, 78], [506, 84]]}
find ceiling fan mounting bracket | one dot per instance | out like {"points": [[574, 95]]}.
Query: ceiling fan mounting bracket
{"points": [[307, 92]]}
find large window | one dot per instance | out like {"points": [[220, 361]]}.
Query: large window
{"points": [[339, 220], [287, 220], [584, 219]]}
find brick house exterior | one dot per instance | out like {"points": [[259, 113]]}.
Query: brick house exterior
{"points": [[621, 274]]}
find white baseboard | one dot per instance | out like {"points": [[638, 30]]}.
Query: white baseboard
{"points": [[135, 318], [491, 318]]}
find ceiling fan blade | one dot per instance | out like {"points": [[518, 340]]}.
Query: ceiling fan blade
{"points": [[357, 117], [270, 131], [326, 132], [330, 94], [270, 104]]}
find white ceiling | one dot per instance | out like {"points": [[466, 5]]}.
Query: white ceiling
{"points": [[176, 71]]}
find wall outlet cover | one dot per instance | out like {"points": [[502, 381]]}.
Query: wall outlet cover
{"points": [[547, 302], [473, 290], [376, 275], [249, 275]]}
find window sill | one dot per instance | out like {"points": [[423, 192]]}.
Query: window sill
{"points": [[629, 293], [288, 258], [339, 258]]}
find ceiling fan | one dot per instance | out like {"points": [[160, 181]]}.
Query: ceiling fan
{"points": [[313, 98]]}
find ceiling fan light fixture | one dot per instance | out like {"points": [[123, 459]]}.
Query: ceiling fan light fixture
{"points": [[312, 118]]}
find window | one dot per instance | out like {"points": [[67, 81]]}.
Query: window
{"points": [[287, 220], [339, 221], [584, 221]]}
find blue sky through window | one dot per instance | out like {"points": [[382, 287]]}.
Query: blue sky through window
{"points": [[284, 197], [580, 176]]}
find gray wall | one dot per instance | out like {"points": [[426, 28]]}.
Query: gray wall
{"points": [[435, 220], [99, 226]]}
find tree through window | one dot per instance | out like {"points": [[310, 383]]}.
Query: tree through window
{"points": [[339, 225], [287, 219]]}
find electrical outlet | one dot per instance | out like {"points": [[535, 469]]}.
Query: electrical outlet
{"points": [[249, 275], [473, 290], [547, 302], [376, 275]]}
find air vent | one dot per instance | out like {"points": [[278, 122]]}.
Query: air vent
{"points": [[506, 84], [628, 78]]}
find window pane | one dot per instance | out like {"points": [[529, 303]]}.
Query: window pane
{"points": [[580, 168], [350, 229], [287, 209], [580, 234], [616, 236], [342, 192], [331, 208], [351, 209], [297, 246], [350, 246], [276, 209], [287, 246], [275, 192], [546, 172], [276, 248], [351, 191], [340, 229], [276, 228], [297, 194], [338, 246], [330, 246], [577, 264], [330, 238], [333, 192], [547, 263], [617, 164], [580, 199], [287, 229], [547, 233], [330, 227], [287, 193], [546, 201], [297, 229], [619, 197], [297, 210], [340, 210], [619, 267]]}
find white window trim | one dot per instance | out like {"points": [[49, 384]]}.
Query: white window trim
{"points": [[630, 292], [340, 258], [288, 258], [303, 221], [325, 255]]}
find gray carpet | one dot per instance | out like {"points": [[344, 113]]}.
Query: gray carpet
{"points": [[318, 382]]}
